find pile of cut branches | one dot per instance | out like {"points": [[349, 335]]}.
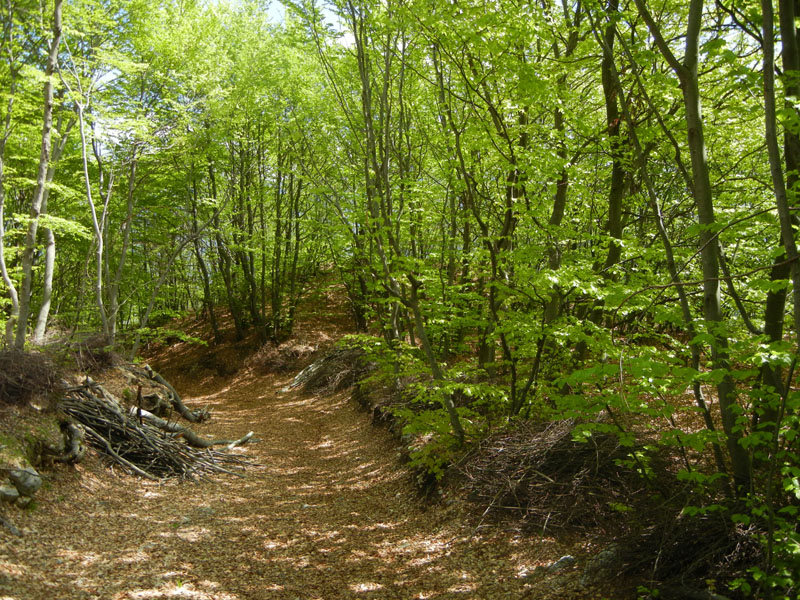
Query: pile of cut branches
{"points": [[140, 442], [339, 369], [24, 376], [550, 480], [280, 358]]}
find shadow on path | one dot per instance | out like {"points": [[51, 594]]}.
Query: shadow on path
{"points": [[328, 513]]}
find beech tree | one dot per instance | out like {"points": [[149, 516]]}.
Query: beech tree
{"points": [[549, 211], [37, 200]]}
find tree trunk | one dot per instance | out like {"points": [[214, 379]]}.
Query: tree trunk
{"points": [[116, 282], [163, 277], [640, 159], [687, 73], [616, 190], [98, 223], [50, 246], [295, 289], [208, 298], [436, 371], [12, 290], [225, 263], [276, 288], [41, 182]]}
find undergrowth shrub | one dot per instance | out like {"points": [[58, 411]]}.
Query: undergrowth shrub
{"points": [[618, 445], [344, 366], [163, 335], [547, 478]]}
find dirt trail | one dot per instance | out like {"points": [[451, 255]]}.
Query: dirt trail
{"points": [[328, 513]]}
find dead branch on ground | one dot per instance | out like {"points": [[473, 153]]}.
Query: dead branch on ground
{"points": [[199, 415], [190, 436]]}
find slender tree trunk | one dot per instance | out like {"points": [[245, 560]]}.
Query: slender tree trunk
{"points": [[247, 257], [224, 257], [50, 242], [41, 183], [785, 185], [98, 224], [616, 190], [8, 338], [12, 290], [640, 161], [379, 201], [294, 285], [687, 72], [276, 288], [162, 278], [712, 310], [552, 308], [208, 298], [775, 306], [436, 370], [791, 146], [116, 282]]}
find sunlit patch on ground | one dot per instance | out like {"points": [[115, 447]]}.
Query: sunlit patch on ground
{"points": [[194, 534], [133, 557], [461, 588], [329, 513], [177, 592], [10, 569], [369, 586]]}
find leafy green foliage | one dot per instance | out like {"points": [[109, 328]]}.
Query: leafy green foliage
{"points": [[507, 201]]}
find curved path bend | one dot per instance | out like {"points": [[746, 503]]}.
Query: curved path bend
{"points": [[328, 513]]}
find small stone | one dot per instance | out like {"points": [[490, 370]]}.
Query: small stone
{"points": [[8, 493], [27, 481], [562, 563]]}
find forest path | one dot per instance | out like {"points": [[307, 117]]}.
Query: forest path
{"points": [[328, 512]]}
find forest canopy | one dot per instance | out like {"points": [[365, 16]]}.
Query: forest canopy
{"points": [[541, 211]]}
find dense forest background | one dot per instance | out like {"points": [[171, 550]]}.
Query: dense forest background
{"points": [[540, 210]]}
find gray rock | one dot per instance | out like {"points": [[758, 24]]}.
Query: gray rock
{"points": [[27, 481], [602, 565], [8, 493], [562, 563]]}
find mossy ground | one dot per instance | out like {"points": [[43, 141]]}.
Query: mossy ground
{"points": [[24, 433]]}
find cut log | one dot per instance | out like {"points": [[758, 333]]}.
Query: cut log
{"points": [[74, 447], [241, 441], [190, 436]]}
